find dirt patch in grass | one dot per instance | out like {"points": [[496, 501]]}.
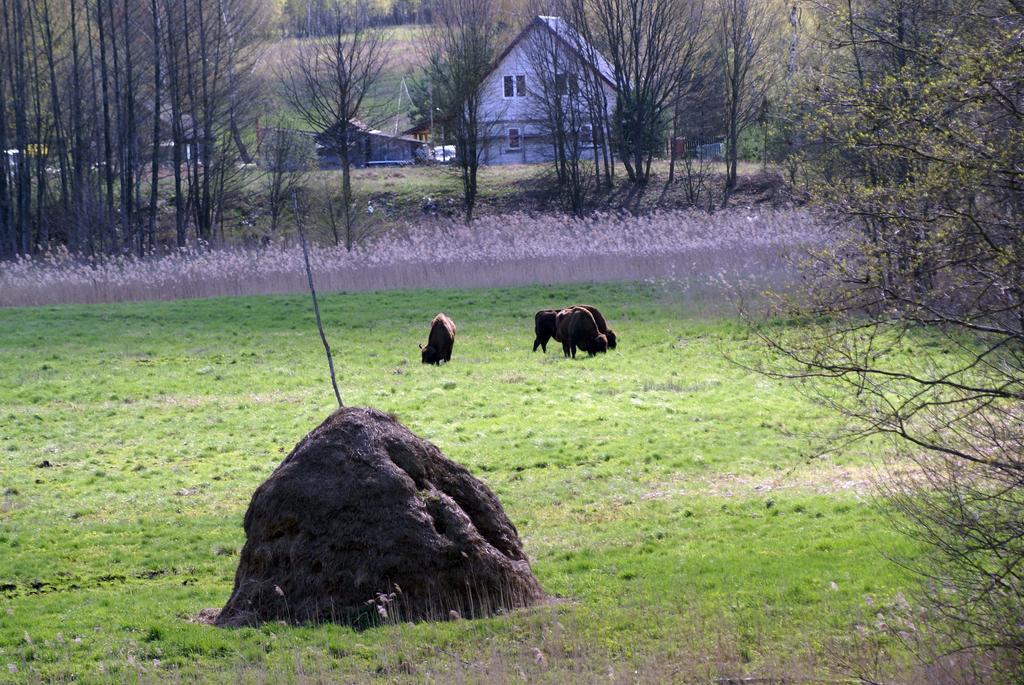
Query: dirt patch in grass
{"points": [[206, 617], [860, 481]]}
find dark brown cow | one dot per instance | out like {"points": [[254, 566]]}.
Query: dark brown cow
{"points": [[544, 328], [440, 342], [602, 325], [562, 328], [576, 329]]}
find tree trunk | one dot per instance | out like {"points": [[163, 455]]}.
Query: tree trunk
{"points": [[78, 157], [132, 237], [333, 218], [346, 185], [97, 215], [108, 153], [154, 171], [177, 129], [8, 238], [192, 142], [23, 173], [60, 143], [40, 231], [672, 144]]}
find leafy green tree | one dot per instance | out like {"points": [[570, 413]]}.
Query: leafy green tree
{"points": [[915, 130]]}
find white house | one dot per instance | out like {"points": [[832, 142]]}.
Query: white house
{"points": [[544, 66]]}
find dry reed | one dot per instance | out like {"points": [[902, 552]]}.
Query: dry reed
{"points": [[691, 247]]}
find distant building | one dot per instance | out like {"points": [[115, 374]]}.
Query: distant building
{"points": [[370, 147], [420, 133], [513, 103]]}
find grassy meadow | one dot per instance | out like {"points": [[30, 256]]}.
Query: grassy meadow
{"points": [[670, 500]]}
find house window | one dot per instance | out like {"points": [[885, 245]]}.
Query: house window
{"points": [[565, 83], [586, 134], [514, 140], [515, 86]]}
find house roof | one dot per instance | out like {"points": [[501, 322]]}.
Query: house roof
{"points": [[569, 37], [400, 138], [325, 138]]}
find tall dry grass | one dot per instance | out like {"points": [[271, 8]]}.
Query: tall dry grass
{"points": [[549, 644], [549, 647], [694, 248]]}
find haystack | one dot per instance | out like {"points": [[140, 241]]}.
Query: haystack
{"points": [[365, 522]]}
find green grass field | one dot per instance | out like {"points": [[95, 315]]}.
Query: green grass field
{"points": [[666, 496]]}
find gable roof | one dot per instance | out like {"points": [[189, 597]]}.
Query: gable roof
{"points": [[569, 37]]}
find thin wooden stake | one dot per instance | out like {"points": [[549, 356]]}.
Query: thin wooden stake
{"points": [[316, 306]]}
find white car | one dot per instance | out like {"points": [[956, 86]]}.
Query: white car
{"points": [[444, 153]]}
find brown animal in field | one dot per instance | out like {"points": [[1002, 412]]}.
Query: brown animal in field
{"points": [[552, 323], [562, 327], [544, 328], [602, 325], [440, 341], [576, 329]]}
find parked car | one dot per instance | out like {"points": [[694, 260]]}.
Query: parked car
{"points": [[710, 151], [445, 154]]}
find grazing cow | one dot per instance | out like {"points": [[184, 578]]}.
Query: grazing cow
{"points": [[440, 342], [585, 334], [562, 328], [544, 328], [576, 329], [552, 323], [602, 325]]}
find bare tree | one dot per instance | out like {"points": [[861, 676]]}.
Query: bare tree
{"points": [[218, 43], [596, 96], [696, 119], [328, 80], [561, 104], [743, 33], [286, 158], [56, 109], [89, 88], [461, 49], [154, 154], [653, 46], [8, 227]]}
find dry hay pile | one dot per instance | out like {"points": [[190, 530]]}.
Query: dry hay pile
{"points": [[365, 522]]}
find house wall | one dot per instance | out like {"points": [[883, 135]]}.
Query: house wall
{"points": [[373, 147], [378, 148], [501, 113]]}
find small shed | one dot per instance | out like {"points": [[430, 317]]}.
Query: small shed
{"points": [[420, 133], [370, 147]]}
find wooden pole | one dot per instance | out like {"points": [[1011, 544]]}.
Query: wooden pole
{"points": [[316, 306]]}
